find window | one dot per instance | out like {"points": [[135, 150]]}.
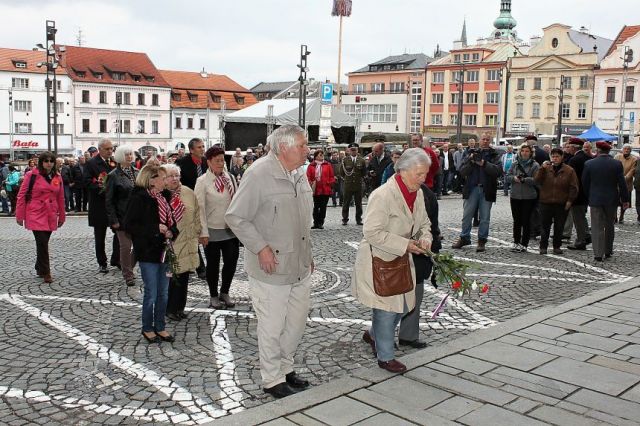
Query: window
{"points": [[136, 77], [493, 75], [20, 64], [22, 106], [554, 43], [240, 99], [22, 127], [117, 75], [552, 82], [611, 94], [456, 76], [190, 123], [103, 126], [86, 126], [217, 98], [453, 119], [521, 84], [178, 122], [127, 98], [582, 110], [437, 98], [103, 97], [98, 75], [566, 110], [176, 96], [357, 88], [454, 98], [141, 126], [584, 82], [20, 83], [150, 78], [550, 110], [397, 87], [471, 98], [59, 107], [566, 82], [456, 58], [537, 83], [629, 94], [475, 57], [436, 119], [140, 98], [465, 57], [154, 127], [490, 120], [472, 76], [127, 126], [492, 97], [377, 87], [535, 110], [373, 113], [59, 129], [438, 77], [155, 99], [470, 120], [203, 124], [85, 97], [519, 110], [193, 97], [58, 84]]}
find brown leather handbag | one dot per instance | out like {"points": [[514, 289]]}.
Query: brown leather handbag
{"points": [[393, 277]]}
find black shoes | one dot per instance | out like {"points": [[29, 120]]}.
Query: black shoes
{"points": [[344, 223], [295, 381], [183, 315], [103, 269], [280, 390], [577, 247], [597, 259], [131, 283], [174, 317], [608, 255], [153, 339], [168, 338], [359, 223], [202, 273], [418, 344]]}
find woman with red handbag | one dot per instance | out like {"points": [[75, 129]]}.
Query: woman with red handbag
{"points": [[321, 179]]}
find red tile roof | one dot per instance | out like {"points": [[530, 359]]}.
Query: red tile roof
{"points": [[205, 91], [101, 65], [9, 57], [626, 32]]}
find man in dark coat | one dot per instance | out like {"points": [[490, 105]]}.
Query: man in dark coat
{"points": [[78, 173], [378, 162], [539, 154], [605, 187], [193, 166], [352, 170], [481, 170], [96, 172], [579, 206]]}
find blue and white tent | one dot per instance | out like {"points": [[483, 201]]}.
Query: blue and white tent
{"points": [[595, 134]]}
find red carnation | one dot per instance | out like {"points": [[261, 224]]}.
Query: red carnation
{"points": [[485, 288], [456, 285]]}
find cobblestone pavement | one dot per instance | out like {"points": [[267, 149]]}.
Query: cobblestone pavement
{"points": [[71, 351]]}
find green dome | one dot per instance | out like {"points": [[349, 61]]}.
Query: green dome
{"points": [[505, 21]]}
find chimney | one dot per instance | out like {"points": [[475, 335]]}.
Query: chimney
{"points": [[203, 73], [584, 30], [534, 40]]}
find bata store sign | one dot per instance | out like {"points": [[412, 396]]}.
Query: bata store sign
{"points": [[34, 143]]}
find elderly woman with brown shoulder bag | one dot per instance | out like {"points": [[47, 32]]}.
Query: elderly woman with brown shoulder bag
{"points": [[384, 275]]}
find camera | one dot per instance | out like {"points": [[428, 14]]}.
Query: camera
{"points": [[474, 154]]}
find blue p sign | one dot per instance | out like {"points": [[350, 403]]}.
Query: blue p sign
{"points": [[327, 92]]}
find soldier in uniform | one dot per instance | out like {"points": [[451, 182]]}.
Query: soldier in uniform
{"points": [[352, 171]]}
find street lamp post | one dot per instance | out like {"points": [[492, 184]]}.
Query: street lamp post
{"points": [[302, 93], [460, 81], [52, 101], [11, 149], [627, 59], [561, 100], [499, 106]]}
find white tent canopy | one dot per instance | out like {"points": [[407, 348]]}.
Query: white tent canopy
{"points": [[285, 111]]}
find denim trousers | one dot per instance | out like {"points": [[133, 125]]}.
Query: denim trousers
{"points": [[476, 201], [156, 294], [383, 331]]}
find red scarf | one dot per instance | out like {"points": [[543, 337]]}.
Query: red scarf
{"points": [[409, 197], [164, 210], [177, 206], [196, 160]]}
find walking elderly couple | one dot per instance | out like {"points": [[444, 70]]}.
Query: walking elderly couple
{"points": [[271, 215]]}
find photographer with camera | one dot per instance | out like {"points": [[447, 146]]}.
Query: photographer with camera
{"points": [[523, 196], [481, 169]]}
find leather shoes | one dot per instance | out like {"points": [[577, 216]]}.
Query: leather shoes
{"points": [[47, 278], [174, 317], [367, 338], [280, 390], [392, 366], [295, 381], [168, 338], [104, 269], [597, 259], [359, 223], [418, 344], [577, 247]]}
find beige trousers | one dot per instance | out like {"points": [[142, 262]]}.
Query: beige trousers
{"points": [[282, 312]]}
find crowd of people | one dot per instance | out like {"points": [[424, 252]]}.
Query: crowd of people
{"points": [[164, 213]]}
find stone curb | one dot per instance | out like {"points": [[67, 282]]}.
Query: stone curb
{"points": [[368, 376]]}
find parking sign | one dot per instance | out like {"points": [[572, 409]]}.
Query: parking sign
{"points": [[327, 92]]}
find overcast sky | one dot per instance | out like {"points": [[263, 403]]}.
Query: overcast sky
{"points": [[259, 40]]}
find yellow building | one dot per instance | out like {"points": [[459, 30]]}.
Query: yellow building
{"points": [[561, 54]]}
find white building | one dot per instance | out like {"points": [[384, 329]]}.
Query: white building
{"points": [[118, 95], [198, 100], [25, 128], [608, 89]]}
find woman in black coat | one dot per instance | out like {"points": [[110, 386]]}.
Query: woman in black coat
{"points": [[151, 223], [120, 183]]}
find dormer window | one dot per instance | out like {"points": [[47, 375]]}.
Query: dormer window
{"points": [[81, 74], [20, 64], [149, 78], [117, 75], [216, 99], [135, 77], [456, 58], [239, 99], [193, 97], [475, 57], [176, 96], [98, 75]]}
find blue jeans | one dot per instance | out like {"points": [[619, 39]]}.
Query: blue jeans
{"points": [[383, 331], [5, 205], [156, 294], [476, 201]]}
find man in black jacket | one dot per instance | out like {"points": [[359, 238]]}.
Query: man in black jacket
{"points": [[67, 180], [97, 170], [78, 173], [193, 166], [579, 206], [481, 169], [378, 162]]}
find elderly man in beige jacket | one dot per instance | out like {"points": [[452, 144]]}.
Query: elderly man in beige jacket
{"points": [[271, 215]]}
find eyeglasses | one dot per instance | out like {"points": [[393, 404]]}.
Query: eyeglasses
{"points": [[48, 160]]}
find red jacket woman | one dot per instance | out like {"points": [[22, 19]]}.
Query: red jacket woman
{"points": [[321, 178], [40, 208]]}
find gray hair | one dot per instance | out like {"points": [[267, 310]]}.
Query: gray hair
{"points": [[626, 145], [103, 142], [170, 167], [411, 158], [284, 135], [122, 150]]}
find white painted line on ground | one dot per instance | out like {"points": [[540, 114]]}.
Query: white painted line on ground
{"points": [[520, 265], [166, 386], [223, 355], [65, 401]]}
